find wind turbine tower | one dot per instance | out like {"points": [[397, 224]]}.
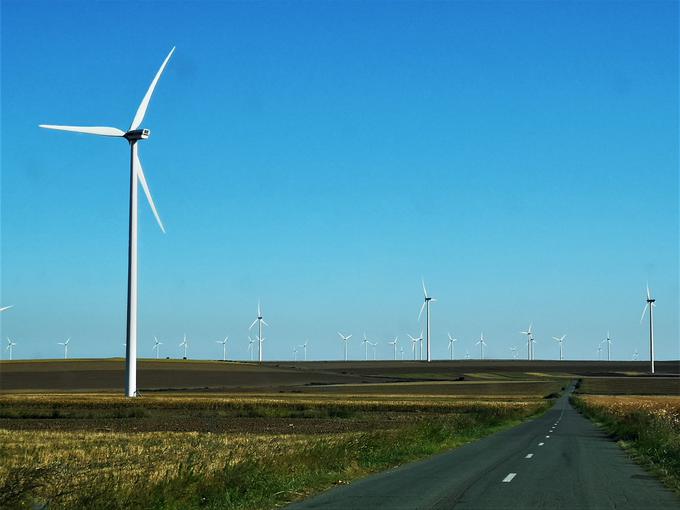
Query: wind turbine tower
{"points": [[65, 344], [393, 343], [481, 344], [365, 342], [609, 346], [426, 304], [651, 304], [157, 346], [560, 340], [10, 347], [345, 339], [530, 340], [452, 347], [260, 322], [133, 135], [224, 347], [184, 344]]}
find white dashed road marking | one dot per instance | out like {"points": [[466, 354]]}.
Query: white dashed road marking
{"points": [[541, 444], [509, 477], [529, 455]]}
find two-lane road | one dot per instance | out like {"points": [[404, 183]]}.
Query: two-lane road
{"points": [[557, 461]]}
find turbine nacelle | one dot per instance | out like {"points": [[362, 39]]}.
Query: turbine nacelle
{"points": [[137, 134]]}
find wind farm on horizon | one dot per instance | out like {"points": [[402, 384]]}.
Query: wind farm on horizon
{"points": [[421, 346]]}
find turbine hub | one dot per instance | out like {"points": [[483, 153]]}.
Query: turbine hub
{"points": [[137, 134]]}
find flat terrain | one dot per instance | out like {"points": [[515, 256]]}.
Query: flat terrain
{"points": [[490, 377], [560, 460]]}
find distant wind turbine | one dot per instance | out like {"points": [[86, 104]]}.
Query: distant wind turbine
{"points": [[481, 344], [560, 340], [184, 344], [345, 339], [401, 350], [393, 343], [10, 347], [418, 341], [426, 304], [304, 346], [599, 351], [514, 352], [133, 135], [467, 354], [635, 355], [651, 304], [608, 341], [260, 322], [452, 347], [295, 348], [365, 341], [65, 344], [414, 343], [251, 342], [374, 345], [224, 347], [157, 346], [529, 335]]}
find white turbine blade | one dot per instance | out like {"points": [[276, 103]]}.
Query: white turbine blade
{"points": [[649, 294], [90, 130], [421, 310], [424, 288], [254, 322], [259, 309], [6, 308], [644, 311], [145, 187], [350, 336], [141, 111], [341, 335], [265, 322]]}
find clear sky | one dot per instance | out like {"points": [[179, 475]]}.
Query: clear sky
{"points": [[324, 156]]}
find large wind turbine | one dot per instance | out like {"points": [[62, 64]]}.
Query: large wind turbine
{"points": [[260, 322], [651, 303], [10, 347], [452, 347], [481, 344], [530, 340], [560, 340], [184, 344], [133, 135], [224, 347], [426, 304], [157, 346], [65, 344], [345, 339], [393, 343]]}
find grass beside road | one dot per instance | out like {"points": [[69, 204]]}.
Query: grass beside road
{"points": [[649, 426], [127, 469]]}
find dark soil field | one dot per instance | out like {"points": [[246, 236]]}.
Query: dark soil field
{"points": [[492, 377]]}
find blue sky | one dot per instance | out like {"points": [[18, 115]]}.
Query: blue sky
{"points": [[323, 157]]}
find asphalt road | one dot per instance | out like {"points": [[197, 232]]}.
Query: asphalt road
{"points": [[558, 461]]}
